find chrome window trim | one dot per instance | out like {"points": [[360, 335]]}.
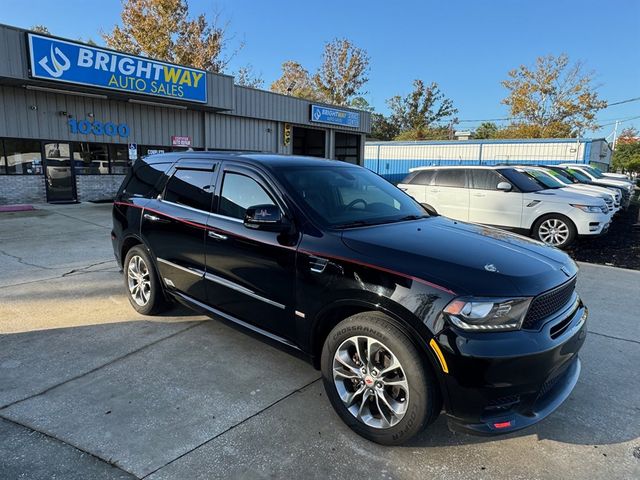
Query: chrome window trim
{"points": [[239, 288]]}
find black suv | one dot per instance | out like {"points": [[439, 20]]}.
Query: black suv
{"points": [[404, 313]]}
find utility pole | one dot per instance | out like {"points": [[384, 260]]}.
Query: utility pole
{"points": [[615, 136]]}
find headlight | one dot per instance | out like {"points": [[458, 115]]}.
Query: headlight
{"points": [[487, 313], [588, 208]]}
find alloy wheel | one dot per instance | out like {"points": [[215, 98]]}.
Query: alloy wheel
{"points": [[370, 382], [553, 231], [139, 280]]}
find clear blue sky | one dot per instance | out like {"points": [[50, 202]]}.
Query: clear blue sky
{"points": [[467, 46]]}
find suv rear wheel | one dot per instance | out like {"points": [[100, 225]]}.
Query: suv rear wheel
{"points": [[143, 286], [556, 230], [377, 380]]}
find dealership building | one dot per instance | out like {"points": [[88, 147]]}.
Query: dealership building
{"points": [[73, 117]]}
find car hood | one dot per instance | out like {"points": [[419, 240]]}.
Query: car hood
{"points": [[466, 258], [562, 196], [587, 192]]}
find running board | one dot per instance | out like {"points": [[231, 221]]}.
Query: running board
{"points": [[235, 320]]}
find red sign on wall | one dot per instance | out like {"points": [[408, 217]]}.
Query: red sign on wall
{"points": [[178, 141]]}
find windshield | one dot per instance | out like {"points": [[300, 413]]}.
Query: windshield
{"points": [[545, 179], [348, 196], [560, 177], [520, 179], [593, 172], [579, 175]]}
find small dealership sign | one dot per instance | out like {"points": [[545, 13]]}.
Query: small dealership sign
{"points": [[180, 141], [70, 62], [335, 116]]}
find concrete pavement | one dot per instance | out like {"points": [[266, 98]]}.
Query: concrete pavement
{"points": [[90, 389]]}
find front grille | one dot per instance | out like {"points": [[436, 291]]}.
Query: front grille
{"points": [[503, 403], [548, 303]]}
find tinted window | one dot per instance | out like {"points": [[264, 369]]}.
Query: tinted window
{"points": [[545, 179], [485, 179], [144, 177], [240, 192], [23, 157], [347, 196], [521, 180], [578, 175], [450, 178], [423, 177], [191, 188]]}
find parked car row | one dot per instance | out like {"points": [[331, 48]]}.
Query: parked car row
{"points": [[551, 204]]}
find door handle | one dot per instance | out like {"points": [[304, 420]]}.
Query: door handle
{"points": [[216, 236], [152, 218], [479, 195]]}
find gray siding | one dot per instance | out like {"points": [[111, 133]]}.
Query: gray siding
{"points": [[13, 53], [250, 102], [228, 132], [148, 124]]}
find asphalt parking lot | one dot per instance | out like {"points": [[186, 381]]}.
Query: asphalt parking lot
{"points": [[90, 389]]}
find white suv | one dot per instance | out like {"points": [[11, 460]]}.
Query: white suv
{"points": [[508, 198]]}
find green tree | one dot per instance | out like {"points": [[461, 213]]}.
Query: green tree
{"points": [[486, 130], [343, 72], [626, 156], [382, 128], [163, 29], [296, 81], [553, 99], [419, 115]]}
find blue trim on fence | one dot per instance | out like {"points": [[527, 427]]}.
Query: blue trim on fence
{"points": [[587, 153]]}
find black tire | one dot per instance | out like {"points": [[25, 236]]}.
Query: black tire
{"points": [[156, 301], [555, 218], [424, 400]]}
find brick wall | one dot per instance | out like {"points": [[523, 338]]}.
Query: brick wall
{"points": [[22, 189], [97, 187], [31, 188]]}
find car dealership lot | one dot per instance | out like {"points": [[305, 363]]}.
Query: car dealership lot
{"points": [[90, 389]]}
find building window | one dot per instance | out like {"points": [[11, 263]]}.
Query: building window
{"points": [[23, 157], [90, 158], [119, 155]]}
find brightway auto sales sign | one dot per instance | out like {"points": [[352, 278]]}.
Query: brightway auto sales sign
{"points": [[71, 62]]}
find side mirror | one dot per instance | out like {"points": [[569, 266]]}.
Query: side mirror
{"points": [[265, 217], [504, 186]]}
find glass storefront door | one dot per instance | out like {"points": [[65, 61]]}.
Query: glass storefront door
{"points": [[60, 181]]}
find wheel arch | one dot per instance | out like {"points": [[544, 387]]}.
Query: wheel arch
{"points": [[128, 243], [337, 311]]}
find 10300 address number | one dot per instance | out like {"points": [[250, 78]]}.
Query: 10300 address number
{"points": [[86, 127]]}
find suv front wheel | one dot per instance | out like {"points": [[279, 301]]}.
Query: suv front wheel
{"points": [[556, 230], [377, 380], [141, 280]]}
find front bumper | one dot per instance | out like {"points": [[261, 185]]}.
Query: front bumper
{"points": [[505, 381], [591, 223]]}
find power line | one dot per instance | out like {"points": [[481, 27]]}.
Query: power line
{"points": [[622, 120], [623, 101]]}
